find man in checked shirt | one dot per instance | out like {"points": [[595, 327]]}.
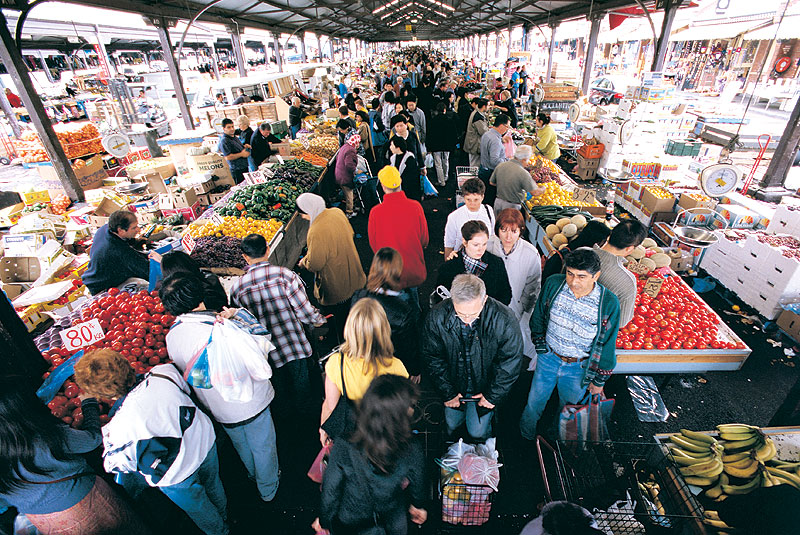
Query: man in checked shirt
{"points": [[277, 297]]}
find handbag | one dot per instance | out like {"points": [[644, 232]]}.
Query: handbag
{"points": [[586, 421], [319, 465], [342, 421]]}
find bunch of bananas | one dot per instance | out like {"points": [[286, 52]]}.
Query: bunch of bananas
{"points": [[699, 457]]}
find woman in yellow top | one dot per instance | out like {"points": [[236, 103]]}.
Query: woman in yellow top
{"points": [[547, 142], [367, 351]]}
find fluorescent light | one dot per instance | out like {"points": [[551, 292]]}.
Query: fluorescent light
{"points": [[415, 21], [430, 21], [385, 6], [440, 4]]}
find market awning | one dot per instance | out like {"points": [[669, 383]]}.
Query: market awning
{"points": [[789, 29], [632, 29], [706, 32]]}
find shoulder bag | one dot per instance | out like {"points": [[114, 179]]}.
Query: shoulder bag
{"points": [[342, 421]]}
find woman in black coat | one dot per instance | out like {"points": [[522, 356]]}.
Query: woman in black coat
{"points": [[383, 285], [474, 259], [403, 159]]}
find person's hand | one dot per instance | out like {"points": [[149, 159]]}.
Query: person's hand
{"points": [[321, 322], [418, 516], [317, 528], [538, 191], [451, 256], [594, 389], [302, 262], [227, 313], [323, 437], [415, 379], [483, 402], [453, 403], [424, 171], [154, 256], [247, 146]]}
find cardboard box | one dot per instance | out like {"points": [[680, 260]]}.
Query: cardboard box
{"points": [[585, 174], [90, 176], [684, 263], [687, 203], [100, 215], [214, 198], [654, 204], [165, 168], [11, 214], [22, 244], [177, 153], [588, 163], [175, 199], [212, 163], [790, 323], [204, 200], [205, 186], [20, 269], [284, 149], [190, 214], [34, 197], [155, 182], [738, 216], [145, 217]]}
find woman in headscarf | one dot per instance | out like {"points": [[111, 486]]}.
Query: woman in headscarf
{"points": [[346, 163], [331, 256]]}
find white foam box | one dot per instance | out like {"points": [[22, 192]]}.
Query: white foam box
{"points": [[785, 221]]}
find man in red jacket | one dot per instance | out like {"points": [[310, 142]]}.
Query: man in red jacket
{"points": [[400, 223]]}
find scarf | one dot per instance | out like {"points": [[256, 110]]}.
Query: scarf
{"points": [[311, 204], [474, 266], [354, 140]]}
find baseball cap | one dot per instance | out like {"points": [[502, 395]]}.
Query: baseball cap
{"points": [[389, 177]]}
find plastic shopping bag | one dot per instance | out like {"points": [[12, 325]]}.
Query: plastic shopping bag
{"points": [[587, 421], [236, 358]]}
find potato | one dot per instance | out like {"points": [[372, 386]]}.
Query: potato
{"points": [[638, 252], [569, 230], [559, 240], [649, 242], [579, 221], [657, 250], [561, 223], [661, 260], [552, 230]]}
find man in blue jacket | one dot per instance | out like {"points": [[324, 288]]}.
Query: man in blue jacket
{"points": [[112, 259]]}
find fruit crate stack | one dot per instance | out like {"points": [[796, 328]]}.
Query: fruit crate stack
{"points": [[734, 460]]}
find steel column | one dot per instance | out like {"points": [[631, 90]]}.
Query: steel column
{"points": [[238, 53], [215, 61], [46, 69], [303, 57], [174, 74], [553, 28], [278, 55], [785, 152], [15, 65], [588, 60], [330, 45], [660, 54], [108, 60]]}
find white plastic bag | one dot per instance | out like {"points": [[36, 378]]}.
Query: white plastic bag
{"points": [[236, 358]]}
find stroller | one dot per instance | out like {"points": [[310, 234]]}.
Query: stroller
{"points": [[366, 185]]}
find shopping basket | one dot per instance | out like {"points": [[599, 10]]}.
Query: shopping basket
{"points": [[604, 475], [463, 504], [463, 173]]}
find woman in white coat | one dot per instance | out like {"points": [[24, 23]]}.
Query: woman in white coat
{"points": [[524, 267]]}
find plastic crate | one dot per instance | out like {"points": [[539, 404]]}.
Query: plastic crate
{"points": [[592, 151]]}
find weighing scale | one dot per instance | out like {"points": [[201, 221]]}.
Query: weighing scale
{"points": [[116, 145]]}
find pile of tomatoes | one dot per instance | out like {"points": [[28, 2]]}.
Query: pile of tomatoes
{"points": [[675, 319], [135, 325]]}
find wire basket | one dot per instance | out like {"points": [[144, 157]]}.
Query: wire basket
{"points": [[466, 505], [463, 173], [631, 488]]}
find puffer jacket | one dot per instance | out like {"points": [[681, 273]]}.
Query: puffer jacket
{"points": [[495, 354], [404, 322], [476, 127]]}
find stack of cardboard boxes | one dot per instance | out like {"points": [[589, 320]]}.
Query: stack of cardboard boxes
{"points": [[589, 160]]}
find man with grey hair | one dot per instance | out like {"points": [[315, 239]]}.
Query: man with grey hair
{"points": [[260, 148], [296, 115], [472, 350], [513, 180]]}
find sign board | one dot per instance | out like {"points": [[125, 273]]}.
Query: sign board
{"points": [[216, 218], [584, 195], [256, 177], [408, 27], [653, 286], [637, 268], [188, 243], [82, 335]]}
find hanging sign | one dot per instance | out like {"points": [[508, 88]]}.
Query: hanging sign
{"points": [[188, 243], [583, 195], [782, 64]]}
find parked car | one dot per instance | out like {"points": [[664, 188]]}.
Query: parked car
{"points": [[609, 89]]}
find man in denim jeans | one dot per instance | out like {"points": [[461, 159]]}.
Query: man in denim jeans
{"points": [[574, 329]]}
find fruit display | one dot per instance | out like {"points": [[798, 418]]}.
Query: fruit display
{"points": [[739, 460], [312, 158], [565, 229], [557, 195], [699, 197], [140, 165], [675, 319], [323, 146], [543, 170], [215, 252], [135, 325], [788, 245], [659, 192], [274, 199], [36, 207], [60, 204], [77, 139], [235, 227]]}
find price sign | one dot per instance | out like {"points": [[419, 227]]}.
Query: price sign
{"points": [[256, 177], [638, 268], [82, 335], [216, 218], [188, 243], [583, 195], [653, 286]]}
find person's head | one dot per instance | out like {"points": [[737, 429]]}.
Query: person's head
{"points": [[480, 104], [384, 419], [220, 97], [385, 271], [509, 226], [628, 234], [8, 90], [104, 373], [124, 224], [468, 294], [387, 87], [141, 92], [265, 129], [398, 107], [400, 124], [228, 127], [502, 123], [542, 119], [474, 237], [565, 518], [375, 104], [344, 113], [240, 91], [389, 176], [179, 262], [310, 205], [582, 267], [26, 427], [255, 248], [473, 191], [362, 117], [505, 95], [356, 91], [367, 335], [181, 293], [398, 145], [594, 233], [440, 108], [388, 97], [296, 102], [243, 122], [523, 153], [358, 103], [411, 103], [342, 125]]}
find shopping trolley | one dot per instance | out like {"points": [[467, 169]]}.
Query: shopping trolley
{"points": [[364, 179], [463, 173]]}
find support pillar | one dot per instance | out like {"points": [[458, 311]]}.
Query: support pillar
{"points": [[660, 54], [238, 53], [278, 56], [11, 57], [497, 45], [106, 59], [525, 36], [46, 68], [550, 52], [782, 159], [330, 46], [8, 111], [588, 60], [486, 49], [215, 61], [174, 73], [303, 57]]}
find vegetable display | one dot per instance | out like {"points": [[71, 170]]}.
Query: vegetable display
{"points": [[274, 199], [77, 139], [543, 170], [236, 227], [214, 252], [299, 172], [324, 146]]}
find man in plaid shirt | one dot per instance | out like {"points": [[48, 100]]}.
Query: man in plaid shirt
{"points": [[277, 297]]}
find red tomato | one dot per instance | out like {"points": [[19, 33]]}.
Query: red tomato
{"points": [[162, 352], [154, 361], [113, 291], [136, 351]]}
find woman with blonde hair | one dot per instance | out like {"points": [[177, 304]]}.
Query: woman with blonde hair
{"points": [[384, 286], [243, 130], [366, 353]]}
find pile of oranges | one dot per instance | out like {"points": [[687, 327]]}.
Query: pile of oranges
{"points": [[235, 227]]}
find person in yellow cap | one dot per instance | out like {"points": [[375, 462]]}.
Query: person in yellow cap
{"points": [[399, 223]]}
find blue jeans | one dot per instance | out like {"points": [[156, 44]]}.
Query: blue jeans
{"points": [[293, 130], [550, 372], [202, 497], [255, 444], [478, 427]]}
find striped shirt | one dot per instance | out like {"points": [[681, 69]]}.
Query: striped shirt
{"points": [[622, 283], [573, 323]]}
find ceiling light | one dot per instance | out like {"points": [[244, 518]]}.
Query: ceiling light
{"points": [[415, 21], [385, 6], [430, 21], [440, 4]]}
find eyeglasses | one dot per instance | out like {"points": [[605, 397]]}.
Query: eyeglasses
{"points": [[468, 318]]}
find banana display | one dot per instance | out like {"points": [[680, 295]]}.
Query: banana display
{"points": [[739, 461]]}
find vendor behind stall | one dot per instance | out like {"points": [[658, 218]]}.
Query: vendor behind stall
{"points": [[112, 259], [546, 139], [260, 148], [233, 150]]}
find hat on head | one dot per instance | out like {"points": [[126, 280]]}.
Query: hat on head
{"points": [[389, 177]]}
